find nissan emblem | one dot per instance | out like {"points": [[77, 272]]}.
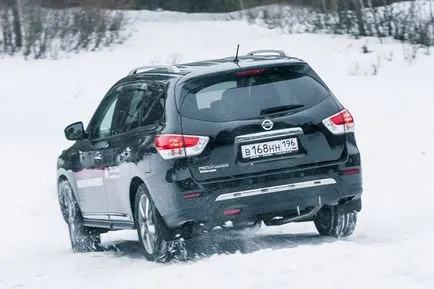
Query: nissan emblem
{"points": [[267, 124]]}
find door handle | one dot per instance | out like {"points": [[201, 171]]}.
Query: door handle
{"points": [[125, 155], [98, 156]]}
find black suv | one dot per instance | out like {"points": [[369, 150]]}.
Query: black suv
{"points": [[175, 151]]}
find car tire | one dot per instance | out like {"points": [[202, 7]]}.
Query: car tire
{"points": [[329, 221], [151, 228], [83, 239]]}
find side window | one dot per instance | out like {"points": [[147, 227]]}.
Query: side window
{"points": [[103, 125], [106, 123], [130, 107], [128, 110], [153, 108]]}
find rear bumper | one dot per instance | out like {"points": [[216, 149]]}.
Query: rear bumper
{"points": [[267, 200]]}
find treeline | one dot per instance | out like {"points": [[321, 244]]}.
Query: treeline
{"points": [[410, 21], [35, 29], [210, 5], [38, 32]]}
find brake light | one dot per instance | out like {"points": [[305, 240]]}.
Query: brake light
{"points": [[340, 123], [250, 72], [171, 146]]}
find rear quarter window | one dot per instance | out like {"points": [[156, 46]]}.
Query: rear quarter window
{"points": [[235, 96]]}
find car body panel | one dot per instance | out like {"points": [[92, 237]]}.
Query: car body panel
{"points": [[316, 144], [119, 161], [81, 168]]}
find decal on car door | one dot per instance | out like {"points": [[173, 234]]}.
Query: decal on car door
{"points": [[88, 183], [112, 173]]}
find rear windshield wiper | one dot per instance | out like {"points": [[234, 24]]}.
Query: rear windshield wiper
{"points": [[282, 108]]}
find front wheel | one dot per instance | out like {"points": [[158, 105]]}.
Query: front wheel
{"points": [[150, 227], [83, 239], [329, 221]]}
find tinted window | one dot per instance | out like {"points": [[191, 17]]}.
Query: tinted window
{"points": [[205, 97], [127, 114], [153, 109], [103, 124], [244, 96], [128, 107]]}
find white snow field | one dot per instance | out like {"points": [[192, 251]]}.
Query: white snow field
{"points": [[392, 246]]}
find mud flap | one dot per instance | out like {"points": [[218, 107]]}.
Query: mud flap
{"points": [[351, 206]]}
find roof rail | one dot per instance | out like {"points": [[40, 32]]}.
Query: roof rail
{"points": [[267, 51], [168, 68]]}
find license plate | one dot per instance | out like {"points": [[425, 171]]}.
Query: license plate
{"points": [[269, 148]]}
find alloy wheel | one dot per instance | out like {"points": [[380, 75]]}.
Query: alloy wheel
{"points": [[146, 222]]}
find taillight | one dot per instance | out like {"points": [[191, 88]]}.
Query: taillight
{"points": [[171, 146], [340, 123]]}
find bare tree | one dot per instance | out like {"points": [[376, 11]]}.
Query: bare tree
{"points": [[6, 28], [11, 9], [376, 25], [431, 11], [16, 20], [358, 4], [50, 32], [241, 3]]}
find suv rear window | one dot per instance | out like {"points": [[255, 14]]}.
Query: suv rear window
{"points": [[250, 94]]}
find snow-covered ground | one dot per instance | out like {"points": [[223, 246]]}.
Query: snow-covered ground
{"points": [[392, 247]]}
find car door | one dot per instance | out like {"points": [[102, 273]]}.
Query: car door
{"points": [[136, 116], [90, 179], [117, 153]]}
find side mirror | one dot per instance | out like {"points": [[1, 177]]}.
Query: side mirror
{"points": [[75, 131]]}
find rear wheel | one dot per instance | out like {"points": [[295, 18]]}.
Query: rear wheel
{"points": [[329, 221], [83, 239], [150, 227]]}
